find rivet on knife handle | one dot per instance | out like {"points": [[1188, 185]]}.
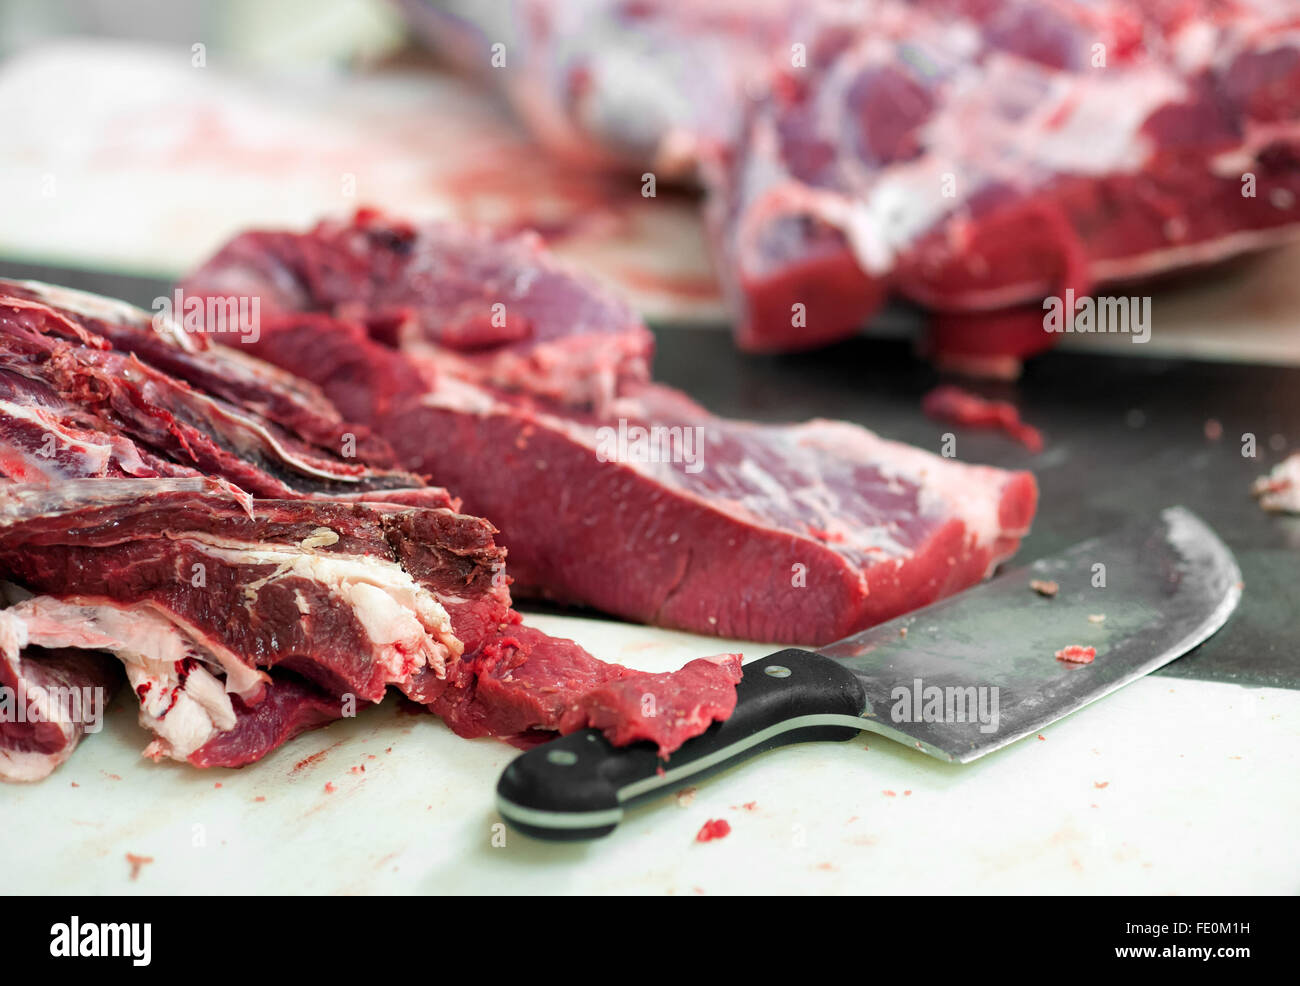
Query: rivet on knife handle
{"points": [[577, 787]]}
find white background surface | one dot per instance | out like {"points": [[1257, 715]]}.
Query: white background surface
{"points": [[1200, 795]]}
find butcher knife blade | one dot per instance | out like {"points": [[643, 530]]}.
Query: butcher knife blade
{"points": [[956, 680]]}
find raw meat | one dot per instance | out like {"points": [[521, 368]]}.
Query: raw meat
{"points": [[657, 696], [320, 588], [1045, 587], [522, 680], [960, 407], [352, 597], [205, 525], [49, 698], [1076, 654], [974, 156], [788, 533], [488, 308], [1280, 490]]}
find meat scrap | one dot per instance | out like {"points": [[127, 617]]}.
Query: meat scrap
{"points": [[960, 407], [834, 527], [1044, 587], [137, 863], [203, 526], [1279, 491], [714, 828], [1076, 654]]}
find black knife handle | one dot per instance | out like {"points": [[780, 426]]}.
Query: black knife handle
{"points": [[576, 787]]}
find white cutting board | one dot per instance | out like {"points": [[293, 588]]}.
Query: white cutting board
{"points": [[1199, 796]]}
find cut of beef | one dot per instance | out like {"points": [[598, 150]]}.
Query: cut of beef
{"points": [[961, 407], [204, 525], [489, 308], [182, 700], [320, 587], [50, 697], [974, 156], [522, 680], [799, 533]]}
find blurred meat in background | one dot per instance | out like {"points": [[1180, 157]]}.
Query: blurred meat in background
{"points": [[972, 156], [797, 172]]}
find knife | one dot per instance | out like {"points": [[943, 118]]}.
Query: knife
{"points": [[957, 680]]}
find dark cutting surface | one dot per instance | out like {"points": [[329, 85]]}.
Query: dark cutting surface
{"points": [[1125, 436]]}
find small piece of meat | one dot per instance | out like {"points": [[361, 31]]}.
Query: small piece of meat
{"points": [[662, 708], [137, 863], [960, 407], [1076, 654], [1044, 587], [1279, 491], [714, 828]]}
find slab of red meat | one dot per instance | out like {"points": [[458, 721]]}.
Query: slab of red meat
{"points": [[244, 619], [49, 698], [800, 533], [72, 404], [488, 307], [973, 156]]}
